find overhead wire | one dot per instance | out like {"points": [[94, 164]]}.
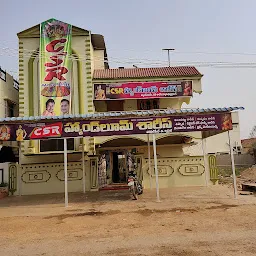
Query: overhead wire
{"points": [[176, 51], [28, 53], [147, 62]]}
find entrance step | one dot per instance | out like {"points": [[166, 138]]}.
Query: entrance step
{"points": [[116, 186]]}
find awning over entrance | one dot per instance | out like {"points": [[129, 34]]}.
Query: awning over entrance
{"points": [[163, 121], [116, 114]]}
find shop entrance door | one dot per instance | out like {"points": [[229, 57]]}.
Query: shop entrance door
{"points": [[119, 170]]}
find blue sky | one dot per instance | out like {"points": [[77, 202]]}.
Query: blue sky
{"points": [[139, 29]]}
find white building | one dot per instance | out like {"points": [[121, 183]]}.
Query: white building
{"points": [[9, 107], [9, 95]]}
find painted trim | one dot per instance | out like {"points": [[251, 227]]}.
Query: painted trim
{"points": [[80, 86], [31, 82], [145, 79]]}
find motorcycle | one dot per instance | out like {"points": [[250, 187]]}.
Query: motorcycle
{"points": [[135, 186]]}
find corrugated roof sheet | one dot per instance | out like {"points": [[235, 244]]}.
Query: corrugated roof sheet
{"points": [[145, 72], [134, 113]]}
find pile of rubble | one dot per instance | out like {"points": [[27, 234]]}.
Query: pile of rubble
{"points": [[247, 179], [249, 175]]}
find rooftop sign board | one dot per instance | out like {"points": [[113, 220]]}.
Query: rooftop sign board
{"points": [[142, 90]]}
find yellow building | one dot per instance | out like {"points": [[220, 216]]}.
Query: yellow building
{"points": [[107, 158]]}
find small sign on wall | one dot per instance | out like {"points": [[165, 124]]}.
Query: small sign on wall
{"points": [[16, 84], [2, 75]]}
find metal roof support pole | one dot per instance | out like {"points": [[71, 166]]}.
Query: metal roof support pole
{"points": [[149, 165], [66, 171], [156, 169], [83, 165], [233, 165], [206, 169], [20, 171]]}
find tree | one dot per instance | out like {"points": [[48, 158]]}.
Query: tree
{"points": [[253, 132], [252, 149]]}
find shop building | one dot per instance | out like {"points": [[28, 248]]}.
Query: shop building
{"points": [[97, 89]]}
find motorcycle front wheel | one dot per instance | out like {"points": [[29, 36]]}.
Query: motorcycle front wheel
{"points": [[134, 194]]}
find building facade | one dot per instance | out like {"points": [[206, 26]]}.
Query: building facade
{"points": [[9, 102], [108, 158], [9, 95]]}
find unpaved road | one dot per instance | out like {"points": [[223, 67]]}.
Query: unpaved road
{"points": [[188, 221]]}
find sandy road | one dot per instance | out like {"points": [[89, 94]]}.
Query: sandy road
{"points": [[192, 221]]}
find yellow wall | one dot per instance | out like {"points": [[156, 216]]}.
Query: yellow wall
{"points": [[98, 59], [100, 106], [174, 103], [49, 178], [175, 172]]}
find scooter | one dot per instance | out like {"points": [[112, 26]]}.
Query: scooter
{"points": [[135, 186]]}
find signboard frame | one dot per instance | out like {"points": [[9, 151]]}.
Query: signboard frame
{"points": [[143, 90]]}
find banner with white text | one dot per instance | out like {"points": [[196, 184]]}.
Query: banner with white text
{"points": [[143, 90], [116, 126]]}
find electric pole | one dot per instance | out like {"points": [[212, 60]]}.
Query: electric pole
{"points": [[168, 51]]}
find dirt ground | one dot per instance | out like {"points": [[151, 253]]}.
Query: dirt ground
{"points": [[187, 221], [247, 175]]}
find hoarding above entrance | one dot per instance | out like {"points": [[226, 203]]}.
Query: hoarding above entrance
{"points": [[118, 126], [142, 90]]}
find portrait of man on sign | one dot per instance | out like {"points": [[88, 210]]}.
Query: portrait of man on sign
{"points": [[64, 106], [49, 111]]}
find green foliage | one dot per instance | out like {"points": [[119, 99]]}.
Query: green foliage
{"points": [[227, 171], [3, 184]]}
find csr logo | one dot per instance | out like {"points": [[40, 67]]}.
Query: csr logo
{"points": [[52, 130]]}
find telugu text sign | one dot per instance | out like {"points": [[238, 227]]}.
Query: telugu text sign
{"points": [[142, 90], [122, 126]]}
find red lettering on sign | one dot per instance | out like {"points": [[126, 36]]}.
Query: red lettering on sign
{"points": [[51, 46], [48, 131], [56, 73], [56, 61], [54, 69]]}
